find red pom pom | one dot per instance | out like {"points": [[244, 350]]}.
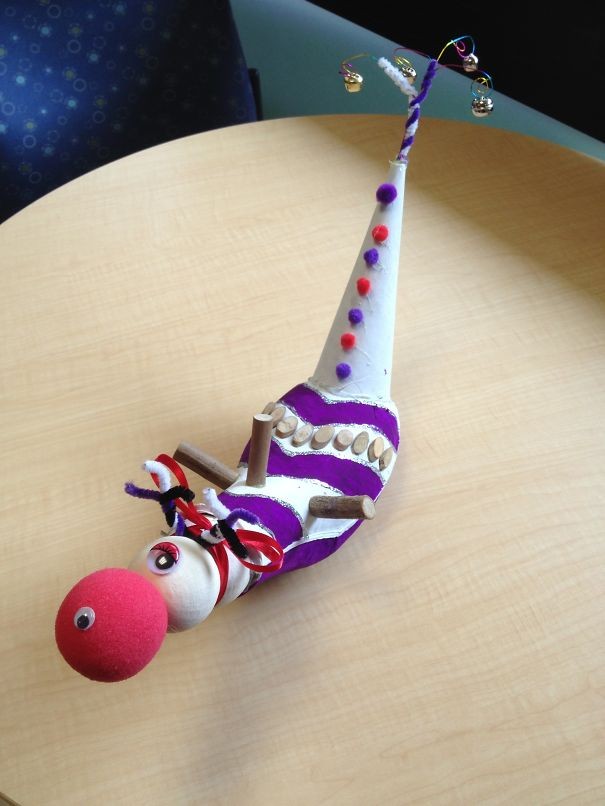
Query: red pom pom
{"points": [[111, 624], [363, 286], [347, 341], [380, 233]]}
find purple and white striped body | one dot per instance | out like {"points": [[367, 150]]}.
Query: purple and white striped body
{"points": [[296, 473]]}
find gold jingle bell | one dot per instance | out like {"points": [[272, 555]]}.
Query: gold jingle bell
{"points": [[353, 82], [406, 68], [470, 63], [482, 106]]}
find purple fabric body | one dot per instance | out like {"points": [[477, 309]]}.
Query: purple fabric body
{"points": [[287, 529], [276, 517], [311, 552], [311, 407], [347, 475]]}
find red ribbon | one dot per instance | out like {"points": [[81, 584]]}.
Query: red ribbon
{"points": [[258, 541], [198, 521], [255, 541]]}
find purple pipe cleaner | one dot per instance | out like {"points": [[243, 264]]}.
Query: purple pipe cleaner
{"points": [[415, 106], [168, 508], [140, 492], [239, 513]]}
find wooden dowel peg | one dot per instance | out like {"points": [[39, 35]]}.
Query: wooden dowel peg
{"points": [[205, 465], [260, 442], [357, 507]]}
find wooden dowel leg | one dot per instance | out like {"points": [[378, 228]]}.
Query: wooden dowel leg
{"points": [[205, 465], [358, 507], [260, 442]]}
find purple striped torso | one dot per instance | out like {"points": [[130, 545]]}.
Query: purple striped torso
{"points": [[343, 473]]}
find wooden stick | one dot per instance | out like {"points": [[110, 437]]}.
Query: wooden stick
{"points": [[358, 507], [205, 465], [260, 442]]}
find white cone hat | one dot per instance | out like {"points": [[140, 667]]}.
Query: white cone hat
{"points": [[357, 358]]}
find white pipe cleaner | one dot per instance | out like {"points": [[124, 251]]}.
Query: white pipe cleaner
{"points": [[161, 472], [397, 77], [218, 509]]}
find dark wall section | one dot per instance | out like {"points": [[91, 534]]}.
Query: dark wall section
{"points": [[550, 61]]}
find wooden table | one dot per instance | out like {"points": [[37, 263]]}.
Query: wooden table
{"points": [[454, 650]]}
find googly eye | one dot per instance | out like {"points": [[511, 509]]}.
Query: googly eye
{"points": [[162, 558], [84, 618]]}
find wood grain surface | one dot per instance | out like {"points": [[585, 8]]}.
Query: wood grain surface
{"points": [[453, 652]]}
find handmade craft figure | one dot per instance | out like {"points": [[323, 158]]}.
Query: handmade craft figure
{"points": [[318, 459]]}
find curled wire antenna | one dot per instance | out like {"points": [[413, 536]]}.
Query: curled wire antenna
{"points": [[403, 75]]}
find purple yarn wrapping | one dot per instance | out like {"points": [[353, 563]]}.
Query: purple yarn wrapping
{"points": [[415, 104], [371, 257], [343, 371], [386, 193], [355, 316]]}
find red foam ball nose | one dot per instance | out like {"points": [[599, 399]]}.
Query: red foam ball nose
{"points": [[111, 624]]}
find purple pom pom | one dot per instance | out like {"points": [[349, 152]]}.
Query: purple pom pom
{"points": [[386, 193], [343, 371], [355, 316], [371, 257]]}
